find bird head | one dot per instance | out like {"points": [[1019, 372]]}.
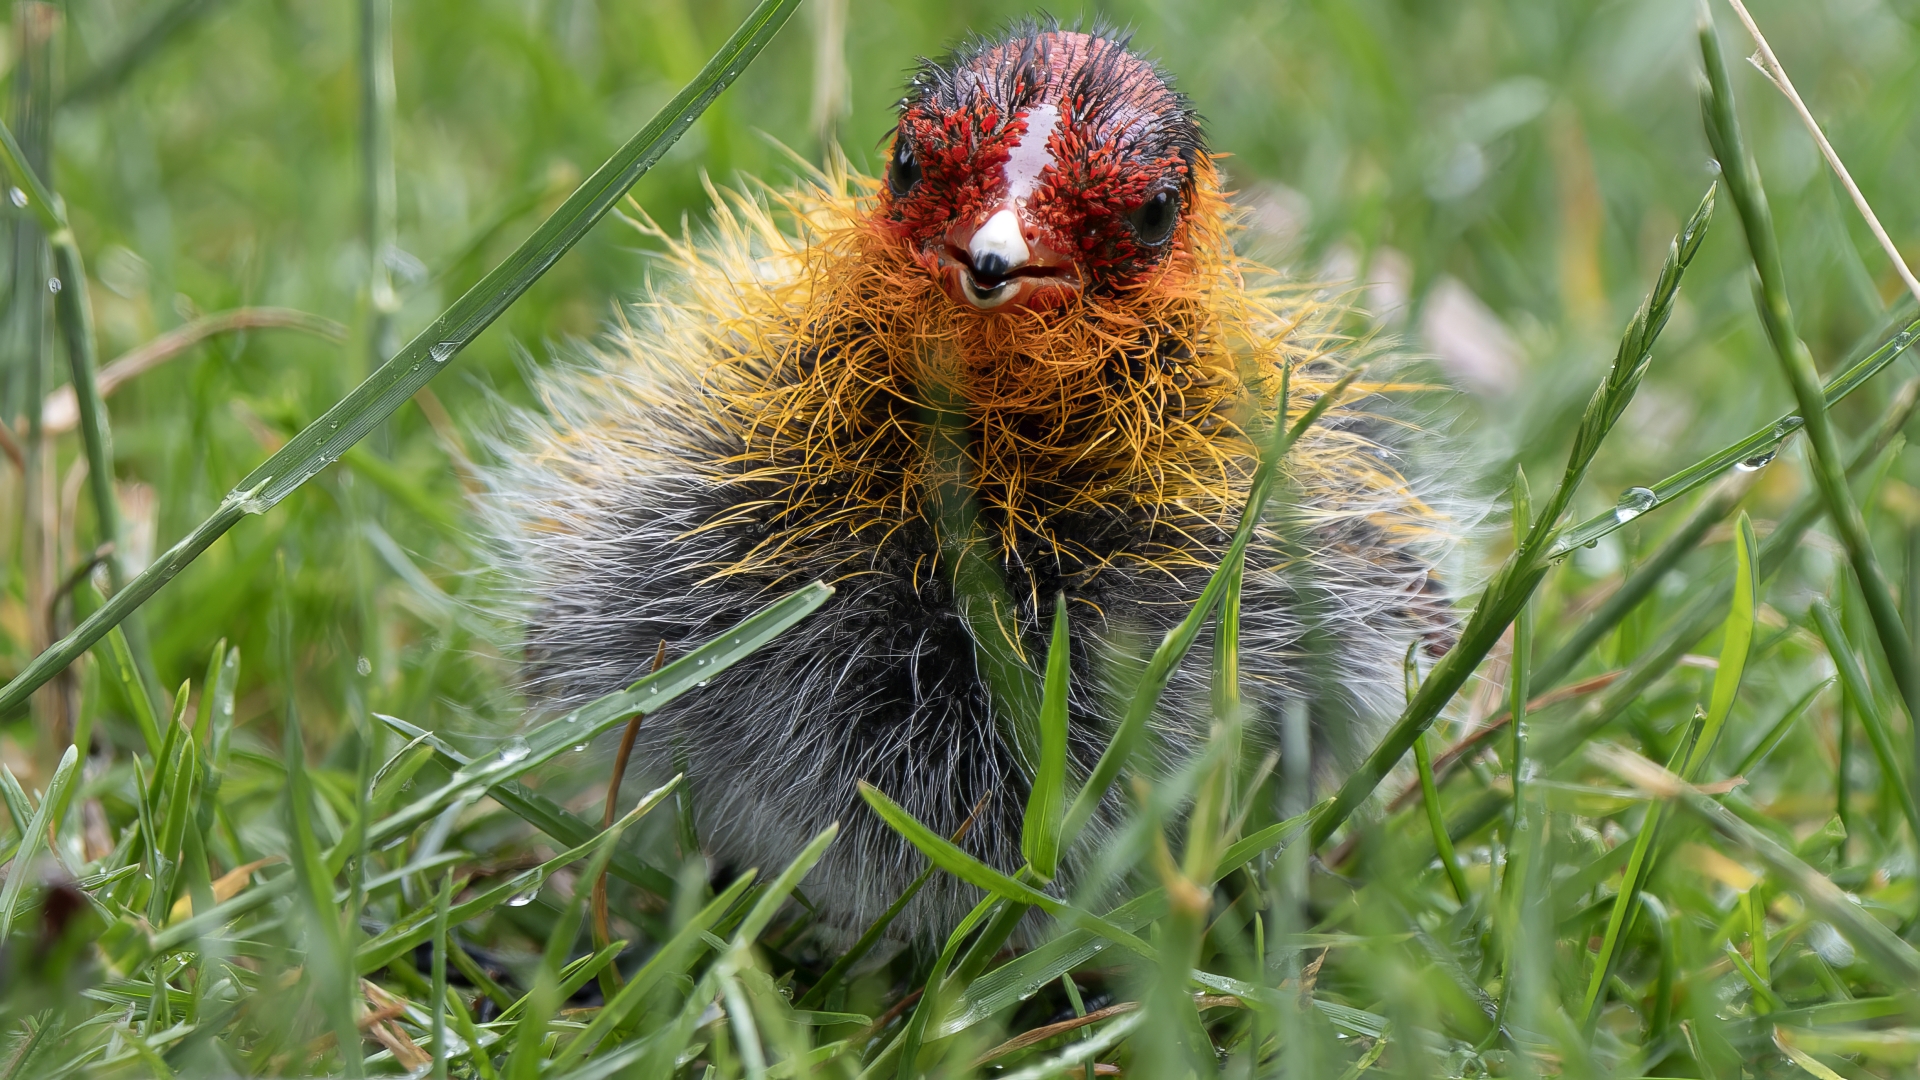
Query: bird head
{"points": [[1045, 164]]}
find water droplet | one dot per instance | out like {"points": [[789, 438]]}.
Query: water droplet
{"points": [[443, 352], [702, 682], [1788, 426], [736, 641], [579, 748], [53, 284], [653, 689], [364, 667], [1756, 462], [515, 749], [18, 197], [1634, 502], [523, 899], [333, 425], [700, 662]]}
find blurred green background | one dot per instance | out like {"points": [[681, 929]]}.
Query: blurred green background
{"points": [[1501, 175]]}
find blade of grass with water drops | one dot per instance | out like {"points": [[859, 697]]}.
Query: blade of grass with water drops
{"points": [[597, 717], [417, 927], [420, 360], [1523, 571], [1751, 454]]}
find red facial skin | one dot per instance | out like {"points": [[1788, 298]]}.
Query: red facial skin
{"points": [[1103, 164]]}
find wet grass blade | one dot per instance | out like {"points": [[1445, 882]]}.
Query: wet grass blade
{"points": [[1515, 581], [529, 1034], [1756, 450], [409, 932], [594, 719], [420, 360], [539, 811]]}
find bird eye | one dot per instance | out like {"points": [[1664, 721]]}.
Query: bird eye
{"points": [[904, 170], [1153, 221]]}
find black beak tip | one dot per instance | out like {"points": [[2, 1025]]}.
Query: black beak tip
{"points": [[990, 267]]}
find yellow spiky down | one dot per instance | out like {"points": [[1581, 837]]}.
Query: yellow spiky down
{"points": [[819, 345]]}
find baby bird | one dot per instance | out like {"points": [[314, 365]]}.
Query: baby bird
{"points": [[1031, 340]]}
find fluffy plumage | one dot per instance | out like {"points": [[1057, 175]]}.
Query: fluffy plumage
{"points": [[790, 404]]}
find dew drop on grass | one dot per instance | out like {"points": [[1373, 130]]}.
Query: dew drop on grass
{"points": [[1634, 502], [579, 748], [514, 750], [364, 667], [1788, 426], [53, 284], [1756, 462], [16, 196], [653, 689], [523, 899], [443, 352]]}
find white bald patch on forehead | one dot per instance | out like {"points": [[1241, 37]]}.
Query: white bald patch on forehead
{"points": [[1029, 157]]}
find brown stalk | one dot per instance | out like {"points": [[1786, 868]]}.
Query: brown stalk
{"points": [[1452, 755], [61, 412], [11, 447], [1042, 1034], [601, 935]]}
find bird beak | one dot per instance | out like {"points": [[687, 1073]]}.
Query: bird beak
{"points": [[1001, 260]]}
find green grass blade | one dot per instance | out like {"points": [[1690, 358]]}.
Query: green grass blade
{"points": [[781, 887], [1854, 678], [1796, 363], [52, 805], [443, 899], [420, 360], [326, 948], [1173, 648], [949, 857], [135, 689], [417, 927], [1736, 642], [1780, 729], [669, 961], [1040, 832], [541, 812], [1757, 447], [1639, 865], [1896, 959], [594, 719], [1436, 820], [529, 1034]]}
